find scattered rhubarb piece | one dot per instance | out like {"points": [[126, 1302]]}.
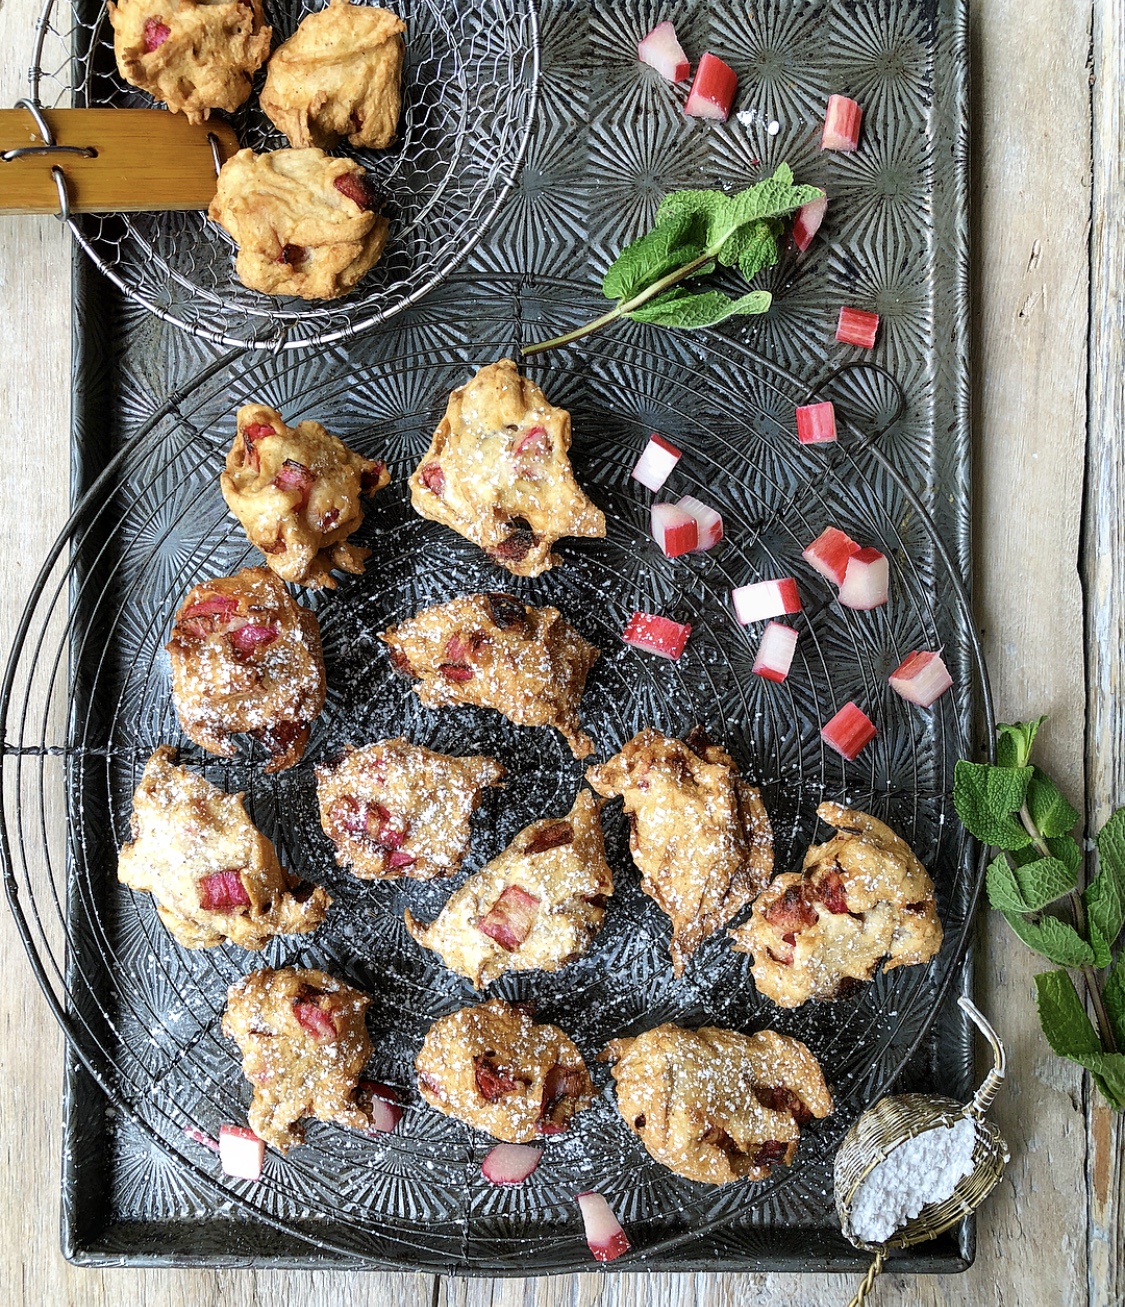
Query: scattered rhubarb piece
{"points": [[712, 91], [250, 637], [314, 1021], [921, 678], [816, 423], [857, 327], [829, 553], [775, 653], [764, 599], [850, 731], [661, 50], [674, 529], [841, 124], [603, 1230], [241, 1152], [708, 521], [382, 1105], [511, 917], [221, 891], [866, 580], [656, 462], [511, 1163], [807, 222], [658, 635]]}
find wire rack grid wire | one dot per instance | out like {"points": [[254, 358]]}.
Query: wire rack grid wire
{"points": [[85, 699], [469, 98]]}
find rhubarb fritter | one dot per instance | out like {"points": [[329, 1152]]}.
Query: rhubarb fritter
{"points": [[699, 834], [714, 1105], [212, 874], [536, 907], [494, 651], [862, 898], [304, 1044], [494, 1068], [497, 472]]}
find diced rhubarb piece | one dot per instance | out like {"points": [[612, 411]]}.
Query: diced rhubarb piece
{"points": [[510, 1163], [866, 580], [561, 1085], [295, 476], [531, 451], [314, 1021], [492, 1080], [841, 124], [661, 50], [213, 606], [708, 521], [656, 462], [829, 888], [857, 327], [603, 1230], [829, 553], [557, 835], [359, 190], [658, 635], [775, 653], [850, 731], [157, 32], [674, 530], [921, 678], [221, 891], [764, 599], [511, 917], [807, 222], [381, 1103], [712, 91], [456, 672], [241, 1152], [816, 423], [433, 478], [792, 912], [250, 637], [400, 858]]}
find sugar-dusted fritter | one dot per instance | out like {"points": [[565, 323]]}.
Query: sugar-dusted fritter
{"points": [[305, 223], [536, 907], [398, 809], [494, 1068], [862, 898], [494, 651], [195, 55], [715, 1105], [339, 74], [246, 659], [297, 491], [497, 472], [699, 834], [304, 1044], [212, 874]]}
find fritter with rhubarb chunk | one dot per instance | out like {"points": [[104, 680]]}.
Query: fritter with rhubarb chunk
{"points": [[212, 874], [494, 1068], [497, 472], [714, 1105], [338, 75], [862, 898], [246, 659], [494, 651], [195, 55], [306, 223], [536, 907], [296, 491], [398, 809], [304, 1044], [699, 834]]}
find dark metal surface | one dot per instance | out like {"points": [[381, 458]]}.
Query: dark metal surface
{"points": [[154, 415]]}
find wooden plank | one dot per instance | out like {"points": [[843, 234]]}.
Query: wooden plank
{"points": [[1104, 573]]}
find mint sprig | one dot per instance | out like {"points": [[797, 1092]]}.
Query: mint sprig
{"points": [[1035, 881], [695, 233]]}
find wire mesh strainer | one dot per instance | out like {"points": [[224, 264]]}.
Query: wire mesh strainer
{"points": [[469, 95]]}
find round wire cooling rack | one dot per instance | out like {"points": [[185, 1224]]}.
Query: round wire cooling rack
{"points": [[86, 698], [470, 87]]}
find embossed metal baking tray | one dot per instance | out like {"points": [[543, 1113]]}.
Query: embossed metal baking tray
{"points": [[86, 696]]}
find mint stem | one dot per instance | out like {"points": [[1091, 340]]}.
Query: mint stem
{"points": [[625, 307], [1089, 975]]}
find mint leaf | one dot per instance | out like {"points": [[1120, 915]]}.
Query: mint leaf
{"points": [[1004, 892], [708, 208], [986, 796], [679, 308], [1111, 844], [1108, 1071], [761, 248], [1105, 894], [1051, 813], [1043, 881], [1067, 850], [1055, 940], [1013, 743], [1068, 1029], [668, 246], [1114, 996]]}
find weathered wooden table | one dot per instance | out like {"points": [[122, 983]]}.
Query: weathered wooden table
{"points": [[1049, 393]]}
